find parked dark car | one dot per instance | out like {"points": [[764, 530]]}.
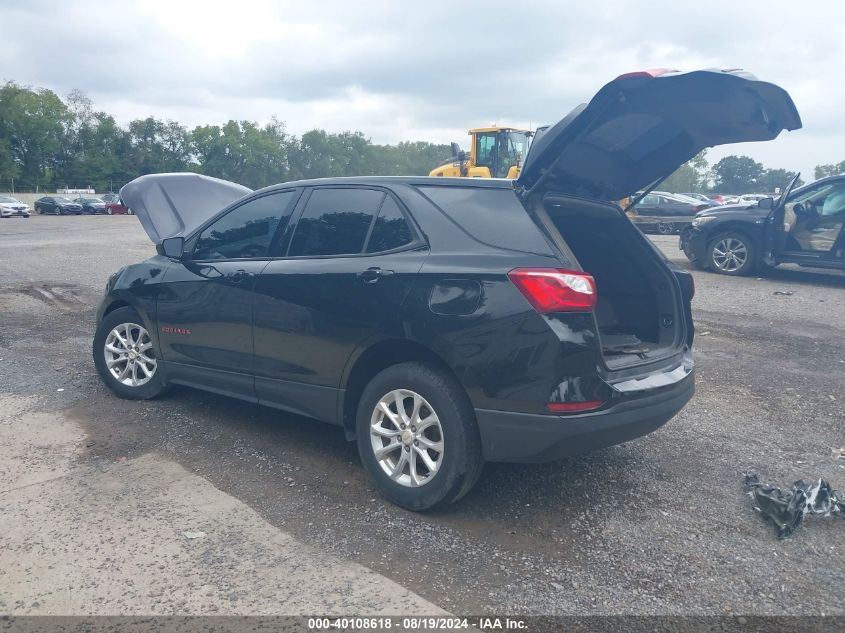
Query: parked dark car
{"points": [[57, 205], [804, 226], [91, 205], [440, 322], [666, 213]]}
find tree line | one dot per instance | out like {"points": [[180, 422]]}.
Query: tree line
{"points": [[47, 142]]}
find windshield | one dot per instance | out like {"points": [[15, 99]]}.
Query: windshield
{"points": [[5, 199], [515, 149], [89, 200], [61, 199]]}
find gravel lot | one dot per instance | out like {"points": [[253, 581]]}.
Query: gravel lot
{"points": [[656, 526]]}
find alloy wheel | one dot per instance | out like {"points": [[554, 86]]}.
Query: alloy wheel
{"points": [[406, 438], [129, 355], [729, 254]]}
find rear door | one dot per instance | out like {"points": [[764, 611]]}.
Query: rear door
{"points": [[339, 281], [205, 310]]}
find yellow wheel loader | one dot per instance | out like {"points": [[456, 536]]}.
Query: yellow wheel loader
{"points": [[497, 152]]}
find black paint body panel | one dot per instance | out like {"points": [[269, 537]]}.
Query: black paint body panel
{"points": [[288, 331]]}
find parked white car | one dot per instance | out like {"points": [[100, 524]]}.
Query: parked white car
{"points": [[751, 198], [13, 208]]}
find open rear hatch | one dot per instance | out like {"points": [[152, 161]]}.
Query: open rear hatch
{"points": [[642, 126], [637, 130], [169, 205]]}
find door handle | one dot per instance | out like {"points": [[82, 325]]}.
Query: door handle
{"points": [[239, 276], [372, 275]]}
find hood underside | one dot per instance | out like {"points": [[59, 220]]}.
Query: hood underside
{"points": [[169, 205], [642, 126]]}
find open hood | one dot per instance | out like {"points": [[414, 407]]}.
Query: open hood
{"points": [[642, 126], [175, 204]]}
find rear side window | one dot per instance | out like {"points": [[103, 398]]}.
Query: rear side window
{"points": [[246, 231], [391, 229], [335, 222], [493, 216]]}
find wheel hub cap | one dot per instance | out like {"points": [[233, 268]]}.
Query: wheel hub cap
{"points": [[406, 438], [729, 254], [129, 355]]}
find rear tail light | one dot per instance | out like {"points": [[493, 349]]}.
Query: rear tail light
{"points": [[574, 407], [555, 290]]}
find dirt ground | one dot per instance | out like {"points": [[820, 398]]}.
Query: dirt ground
{"points": [[659, 525]]}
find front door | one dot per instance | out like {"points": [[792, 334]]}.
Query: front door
{"points": [[350, 264], [809, 226], [205, 311]]}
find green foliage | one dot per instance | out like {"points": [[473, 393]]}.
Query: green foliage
{"points": [[737, 175], [834, 169], [777, 178], [32, 126], [46, 142]]}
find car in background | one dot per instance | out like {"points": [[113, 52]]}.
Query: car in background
{"points": [[13, 208], [57, 205], [804, 227], [700, 196], [664, 212], [110, 197], [117, 208], [751, 198], [91, 205]]}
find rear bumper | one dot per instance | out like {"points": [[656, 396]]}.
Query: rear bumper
{"points": [[521, 437]]}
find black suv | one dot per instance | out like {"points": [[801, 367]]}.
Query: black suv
{"points": [[805, 226], [440, 322]]}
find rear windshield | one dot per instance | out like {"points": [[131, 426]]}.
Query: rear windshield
{"points": [[493, 216]]}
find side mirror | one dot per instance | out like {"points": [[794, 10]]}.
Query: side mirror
{"points": [[766, 203], [456, 149], [171, 247]]}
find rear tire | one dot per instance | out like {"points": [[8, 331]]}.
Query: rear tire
{"points": [[731, 253], [431, 446], [124, 355]]}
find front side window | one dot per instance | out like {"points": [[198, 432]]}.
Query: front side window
{"points": [[246, 231], [390, 230], [335, 222]]}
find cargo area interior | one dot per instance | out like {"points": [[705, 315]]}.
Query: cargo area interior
{"points": [[637, 308]]}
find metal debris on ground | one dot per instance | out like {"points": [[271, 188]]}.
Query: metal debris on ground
{"points": [[783, 293], [787, 509]]}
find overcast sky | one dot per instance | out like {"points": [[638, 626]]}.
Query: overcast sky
{"points": [[401, 70]]}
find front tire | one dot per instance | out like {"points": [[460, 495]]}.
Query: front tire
{"points": [[417, 436], [124, 355], [731, 253]]}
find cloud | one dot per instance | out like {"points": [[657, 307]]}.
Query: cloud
{"points": [[398, 70]]}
